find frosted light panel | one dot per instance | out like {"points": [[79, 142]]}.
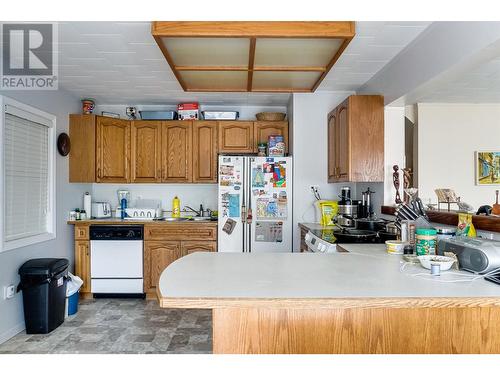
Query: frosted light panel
{"points": [[208, 51], [295, 52], [284, 80], [221, 80]]}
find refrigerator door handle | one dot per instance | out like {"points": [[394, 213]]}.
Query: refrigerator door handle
{"points": [[243, 214]]}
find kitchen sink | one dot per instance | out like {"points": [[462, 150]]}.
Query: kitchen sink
{"points": [[201, 218], [175, 219]]}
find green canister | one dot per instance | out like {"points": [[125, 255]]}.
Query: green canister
{"points": [[426, 241]]}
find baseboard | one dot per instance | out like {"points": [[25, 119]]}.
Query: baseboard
{"points": [[11, 332]]}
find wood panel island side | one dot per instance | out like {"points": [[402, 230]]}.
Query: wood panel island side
{"points": [[355, 302]]}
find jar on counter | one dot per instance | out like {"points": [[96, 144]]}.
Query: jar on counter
{"points": [[445, 233], [262, 149], [426, 241]]}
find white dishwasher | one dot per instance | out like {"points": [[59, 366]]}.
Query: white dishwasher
{"points": [[116, 260]]}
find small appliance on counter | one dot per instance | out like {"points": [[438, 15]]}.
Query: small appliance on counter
{"points": [[101, 210], [123, 202], [474, 254]]}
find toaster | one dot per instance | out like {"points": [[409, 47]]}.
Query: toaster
{"points": [[474, 254], [101, 210]]}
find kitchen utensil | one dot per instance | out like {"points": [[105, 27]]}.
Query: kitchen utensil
{"points": [[354, 235], [496, 207], [386, 236], [370, 224], [428, 260], [345, 221]]}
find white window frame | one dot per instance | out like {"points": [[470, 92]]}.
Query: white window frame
{"points": [[49, 120]]}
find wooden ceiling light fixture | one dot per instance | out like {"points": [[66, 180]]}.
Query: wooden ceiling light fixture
{"points": [[252, 56]]}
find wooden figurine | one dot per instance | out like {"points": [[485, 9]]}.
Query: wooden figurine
{"points": [[407, 182], [395, 180]]}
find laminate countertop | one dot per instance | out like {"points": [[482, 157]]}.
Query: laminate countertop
{"points": [[366, 276], [115, 221]]}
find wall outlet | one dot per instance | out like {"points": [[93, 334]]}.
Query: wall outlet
{"points": [[314, 188], [9, 292]]}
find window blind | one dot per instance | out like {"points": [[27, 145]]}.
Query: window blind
{"points": [[26, 158]]}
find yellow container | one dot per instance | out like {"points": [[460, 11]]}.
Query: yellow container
{"points": [[328, 210], [176, 207]]}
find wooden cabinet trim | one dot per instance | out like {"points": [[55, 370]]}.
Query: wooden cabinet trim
{"points": [[81, 232], [180, 232], [82, 264]]}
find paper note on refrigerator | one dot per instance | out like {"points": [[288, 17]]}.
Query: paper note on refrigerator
{"points": [[234, 205]]}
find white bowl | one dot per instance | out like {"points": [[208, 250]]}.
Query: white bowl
{"points": [[427, 260]]}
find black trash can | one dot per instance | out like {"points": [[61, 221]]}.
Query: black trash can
{"points": [[43, 282]]}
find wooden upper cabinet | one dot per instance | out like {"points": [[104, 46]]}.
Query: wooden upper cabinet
{"points": [[205, 151], [158, 255], [263, 129], [342, 139], [82, 131], [236, 137], [113, 150], [332, 146], [177, 155], [356, 140], [146, 151]]}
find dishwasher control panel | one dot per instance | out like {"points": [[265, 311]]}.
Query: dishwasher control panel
{"points": [[116, 232]]}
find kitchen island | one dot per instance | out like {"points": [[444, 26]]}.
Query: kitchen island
{"points": [[355, 302]]}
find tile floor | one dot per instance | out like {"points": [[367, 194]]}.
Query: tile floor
{"points": [[122, 326]]}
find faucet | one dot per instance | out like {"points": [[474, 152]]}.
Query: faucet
{"points": [[198, 213]]}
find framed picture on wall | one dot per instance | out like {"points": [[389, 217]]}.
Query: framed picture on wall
{"points": [[487, 168]]}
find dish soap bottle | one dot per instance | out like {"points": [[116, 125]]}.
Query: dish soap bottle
{"points": [[176, 207]]}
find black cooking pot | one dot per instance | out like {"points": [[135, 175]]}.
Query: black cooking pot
{"points": [[386, 236], [354, 236], [373, 225]]}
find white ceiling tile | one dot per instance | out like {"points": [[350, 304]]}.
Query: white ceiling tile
{"points": [[120, 61]]}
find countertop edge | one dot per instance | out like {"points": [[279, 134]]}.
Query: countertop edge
{"points": [[140, 222], [328, 303]]}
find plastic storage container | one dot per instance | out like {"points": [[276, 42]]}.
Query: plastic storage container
{"points": [[43, 282], [426, 241], [158, 115]]}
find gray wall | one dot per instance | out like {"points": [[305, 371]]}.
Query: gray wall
{"points": [[68, 196]]}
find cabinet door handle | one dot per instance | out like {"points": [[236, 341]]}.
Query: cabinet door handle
{"points": [[99, 172]]}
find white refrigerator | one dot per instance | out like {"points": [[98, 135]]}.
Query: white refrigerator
{"points": [[255, 204]]}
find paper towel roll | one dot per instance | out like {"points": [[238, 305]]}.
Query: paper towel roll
{"points": [[87, 204]]}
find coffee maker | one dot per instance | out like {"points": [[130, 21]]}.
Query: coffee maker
{"points": [[348, 208]]}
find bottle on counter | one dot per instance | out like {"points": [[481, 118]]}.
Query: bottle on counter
{"points": [[176, 207]]}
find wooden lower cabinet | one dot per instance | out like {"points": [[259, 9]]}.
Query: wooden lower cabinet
{"points": [[157, 256], [82, 265], [190, 247]]}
